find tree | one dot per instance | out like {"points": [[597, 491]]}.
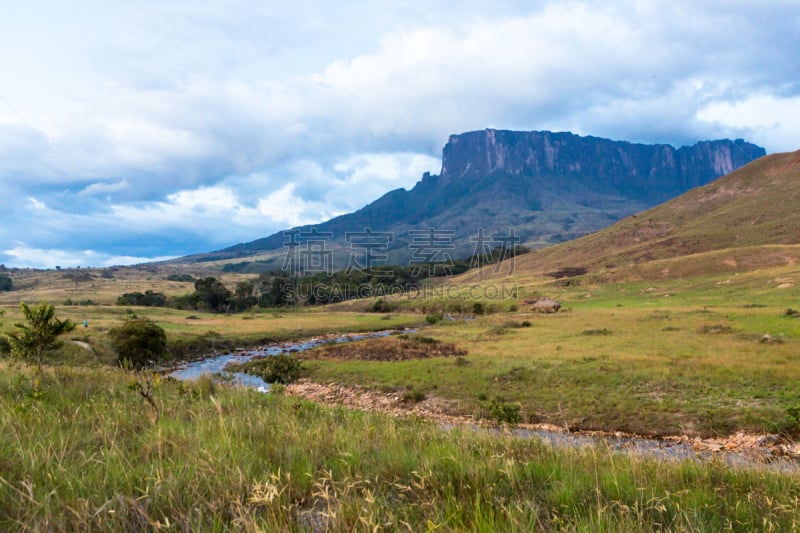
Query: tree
{"points": [[40, 334], [212, 293], [6, 284], [139, 341]]}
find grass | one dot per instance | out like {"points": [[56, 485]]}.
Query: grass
{"points": [[79, 451], [206, 332], [677, 356]]}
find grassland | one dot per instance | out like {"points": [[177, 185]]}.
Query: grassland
{"points": [[677, 356], [79, 451]]}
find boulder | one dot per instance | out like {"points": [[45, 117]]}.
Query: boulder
{"points": [[546, 305]]}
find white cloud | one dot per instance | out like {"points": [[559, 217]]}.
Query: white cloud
{"points": [[285, 207], [24, 256], [104, 188], [762, 118], [225, 121]]}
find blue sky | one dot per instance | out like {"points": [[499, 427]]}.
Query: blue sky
{"points": [[135, 130]]}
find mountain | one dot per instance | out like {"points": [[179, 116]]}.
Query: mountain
{"points": [[743, 221], [549, 187]]}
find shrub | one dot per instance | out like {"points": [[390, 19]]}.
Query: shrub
{"points": [[283, 369], [501, 411], [434, 318], [381, 306], [413, 396], [139, 341], [604, 331]]}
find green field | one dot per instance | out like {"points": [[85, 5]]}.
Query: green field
{"points": [[80, 449]]}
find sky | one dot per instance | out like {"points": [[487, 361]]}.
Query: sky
{"points": [[139, 130]]}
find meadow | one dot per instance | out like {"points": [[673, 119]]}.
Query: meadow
{"points": [[81, 450]]}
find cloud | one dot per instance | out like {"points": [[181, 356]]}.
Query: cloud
{"points": [[24, 256], [761, 118], [176, 126], [104, 188]]}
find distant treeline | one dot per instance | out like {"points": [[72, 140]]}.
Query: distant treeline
{"points": [[277, 288]]}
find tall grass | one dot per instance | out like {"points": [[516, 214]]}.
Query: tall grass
{"points": [[79, 451]]}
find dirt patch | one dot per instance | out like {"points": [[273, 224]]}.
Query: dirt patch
{"points": [[395, 348]]}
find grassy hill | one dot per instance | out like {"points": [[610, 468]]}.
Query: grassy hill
{"points": [[743, 221]]}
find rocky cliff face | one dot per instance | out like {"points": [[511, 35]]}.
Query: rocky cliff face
{"points": [[653, 172], [549, 187]]}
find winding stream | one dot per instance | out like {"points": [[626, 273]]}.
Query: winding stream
{"points": [[678, 449], [216, 364]]}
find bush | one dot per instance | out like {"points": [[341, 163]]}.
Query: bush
{"points": [[139, 342], [413, 396], [501, 412], [283, 369], [434, 318], [382, 306]]}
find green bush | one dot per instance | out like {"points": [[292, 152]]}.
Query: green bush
{"points": [[500, 411], [434, 318], [139, 342], [283, 369]]}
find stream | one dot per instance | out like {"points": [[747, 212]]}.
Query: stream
{"points": [[758, 455], [216, 364]]}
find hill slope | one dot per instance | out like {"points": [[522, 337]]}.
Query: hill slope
{"points": [[550, 187], [744, 220]]}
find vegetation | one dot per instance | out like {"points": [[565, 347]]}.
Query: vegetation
{"points": [[283, 368], [236, 459], [139, 342], [39, 333], [147, 299], [6, 284]]}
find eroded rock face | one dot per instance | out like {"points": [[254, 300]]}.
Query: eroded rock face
{"points": [[652, 173]]}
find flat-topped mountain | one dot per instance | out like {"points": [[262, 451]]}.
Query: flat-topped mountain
{"points": [[549, 187]]}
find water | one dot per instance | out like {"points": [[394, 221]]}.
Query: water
{"points": [[215, 365]]}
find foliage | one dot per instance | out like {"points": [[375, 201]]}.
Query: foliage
{"points": [[283, 369], [276, 288], [39, 334], [209, 294], [180, 277], [501, 411], [6, 284], [146, 299], [434, 318], [139, 342]]}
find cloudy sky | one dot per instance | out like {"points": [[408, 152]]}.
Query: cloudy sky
{"points": [[133, 130]]}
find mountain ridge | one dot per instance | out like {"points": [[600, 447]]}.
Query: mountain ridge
{"points": [[550, 187]]}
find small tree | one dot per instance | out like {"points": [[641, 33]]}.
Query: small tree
{"points": [[139, 341], [40, 334]]}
